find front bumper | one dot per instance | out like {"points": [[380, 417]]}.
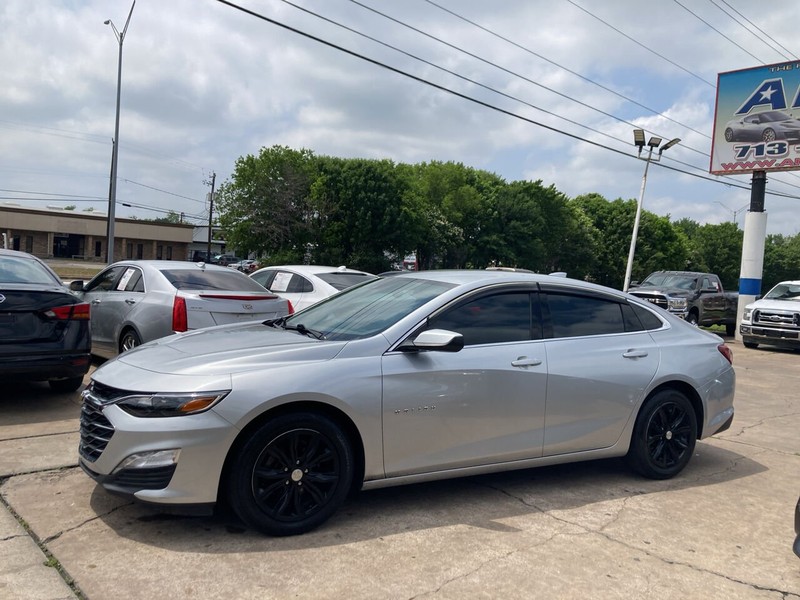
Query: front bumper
{"points": [[772, 336], [109, 436]]}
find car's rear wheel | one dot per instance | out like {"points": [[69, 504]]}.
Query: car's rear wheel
{"points": [[129, 340], [768, 135], [291, 475], [664, 435], [66, 385], [729, 135]]}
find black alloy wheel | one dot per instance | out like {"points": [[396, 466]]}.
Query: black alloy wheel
{"points": [[664, 435], [291, 475]]}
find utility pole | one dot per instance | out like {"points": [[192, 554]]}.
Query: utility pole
{"points": [[210, 215]]}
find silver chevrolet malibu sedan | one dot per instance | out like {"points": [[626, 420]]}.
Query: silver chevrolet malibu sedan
{"points": [[421, 376]]}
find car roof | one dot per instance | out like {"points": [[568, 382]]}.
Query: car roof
{"points": [[171, 264], [314, 269]]}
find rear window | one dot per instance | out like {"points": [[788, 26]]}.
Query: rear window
{"points": [[342, 281], [196, 279], [18, 269]]}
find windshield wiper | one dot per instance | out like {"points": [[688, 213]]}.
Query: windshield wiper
{"points": [[300, 328], [274, 322]]}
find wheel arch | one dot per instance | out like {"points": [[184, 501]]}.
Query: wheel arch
{"points": [[334, 414], [691, 394], [127, 326]]}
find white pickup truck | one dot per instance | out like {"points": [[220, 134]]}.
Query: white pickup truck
{"points": [[773, 320]]}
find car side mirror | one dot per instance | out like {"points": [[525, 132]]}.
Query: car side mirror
{"points": [[76, 286], [434, 339]]}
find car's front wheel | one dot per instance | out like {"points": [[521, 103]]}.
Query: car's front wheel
{"points": [[729, 135], [291, 475], [664, 435], [768, 135]]}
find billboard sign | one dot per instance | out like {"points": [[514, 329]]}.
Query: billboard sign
{"points": [[757, 120]]}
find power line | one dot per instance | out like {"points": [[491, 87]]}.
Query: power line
{"points": [[764, 33], [464, 96], [638, 43], [710, 26]]}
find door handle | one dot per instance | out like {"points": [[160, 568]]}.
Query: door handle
{"points": [[130, 301], [635, 354], [524, 361]]}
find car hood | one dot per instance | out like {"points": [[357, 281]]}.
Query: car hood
{"points": [[763, 304], [224, 350]]}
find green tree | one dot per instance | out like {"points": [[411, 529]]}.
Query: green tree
{"points": [[265, 206]]}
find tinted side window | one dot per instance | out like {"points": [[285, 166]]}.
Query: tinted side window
{"points": [[490, 319], [104, 282], [573, 315], [649, 320], [299, 284], [264, 278]]}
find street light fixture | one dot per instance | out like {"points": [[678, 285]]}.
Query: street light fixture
{"points": [[652, 144], [112, 191]]}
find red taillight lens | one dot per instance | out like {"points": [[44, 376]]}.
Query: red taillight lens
{"points": [[70, 312], [179, 319], [726, 352], [291, 308]]}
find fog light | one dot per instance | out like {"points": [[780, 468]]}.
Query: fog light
{"points": [[150, 460]]}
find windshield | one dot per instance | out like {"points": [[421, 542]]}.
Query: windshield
{"points": [[681, 282], [19, 269], [366, 310], [784, 291]]}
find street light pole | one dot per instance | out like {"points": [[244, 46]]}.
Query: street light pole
{"points": [[652, 144], [112, 192]]}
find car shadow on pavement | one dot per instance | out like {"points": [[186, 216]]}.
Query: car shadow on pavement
{"points": [[499, 502]]}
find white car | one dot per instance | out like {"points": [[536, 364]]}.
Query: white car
{"points": [[304, 285], [773, 320]]}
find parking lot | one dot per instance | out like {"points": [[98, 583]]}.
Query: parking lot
{"points": [[722, 529]]}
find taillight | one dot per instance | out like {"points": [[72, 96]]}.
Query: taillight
{"points": [[291, 308], [179, 320], [726, 352], [70, 312]]}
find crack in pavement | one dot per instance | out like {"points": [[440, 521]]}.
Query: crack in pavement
{"points": [[55, 536], [648, 553], [40, 435]]}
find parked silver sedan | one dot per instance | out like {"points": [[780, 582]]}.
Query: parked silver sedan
{"points": [[138, 301], [404, 379]]}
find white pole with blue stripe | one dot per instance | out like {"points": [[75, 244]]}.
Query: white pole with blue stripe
{"points": [[755, 233]]}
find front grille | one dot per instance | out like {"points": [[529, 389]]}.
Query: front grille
{"points": [[776, 318], [96, 429], [659, 301]]}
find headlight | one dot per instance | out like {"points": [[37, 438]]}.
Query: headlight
{"points": [[748, 312], [677, 303], [169, 405]]}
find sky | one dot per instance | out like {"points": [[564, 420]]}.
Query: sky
{"points": [[546, 90]]}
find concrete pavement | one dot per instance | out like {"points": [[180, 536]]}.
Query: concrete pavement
{"points": [[722, 529]]}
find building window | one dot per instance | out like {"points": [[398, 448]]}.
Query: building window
{"points": [[139, 251], [159, 252], [130, 250], [169, 252], [29, 244], [98, 248]]}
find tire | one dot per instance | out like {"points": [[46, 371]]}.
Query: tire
{"points": [[664, 435], [291, 475], [730, 329], [129, 340], [692, 319], [729, 135], [751, 345], [768, 135], [66, 385]]}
